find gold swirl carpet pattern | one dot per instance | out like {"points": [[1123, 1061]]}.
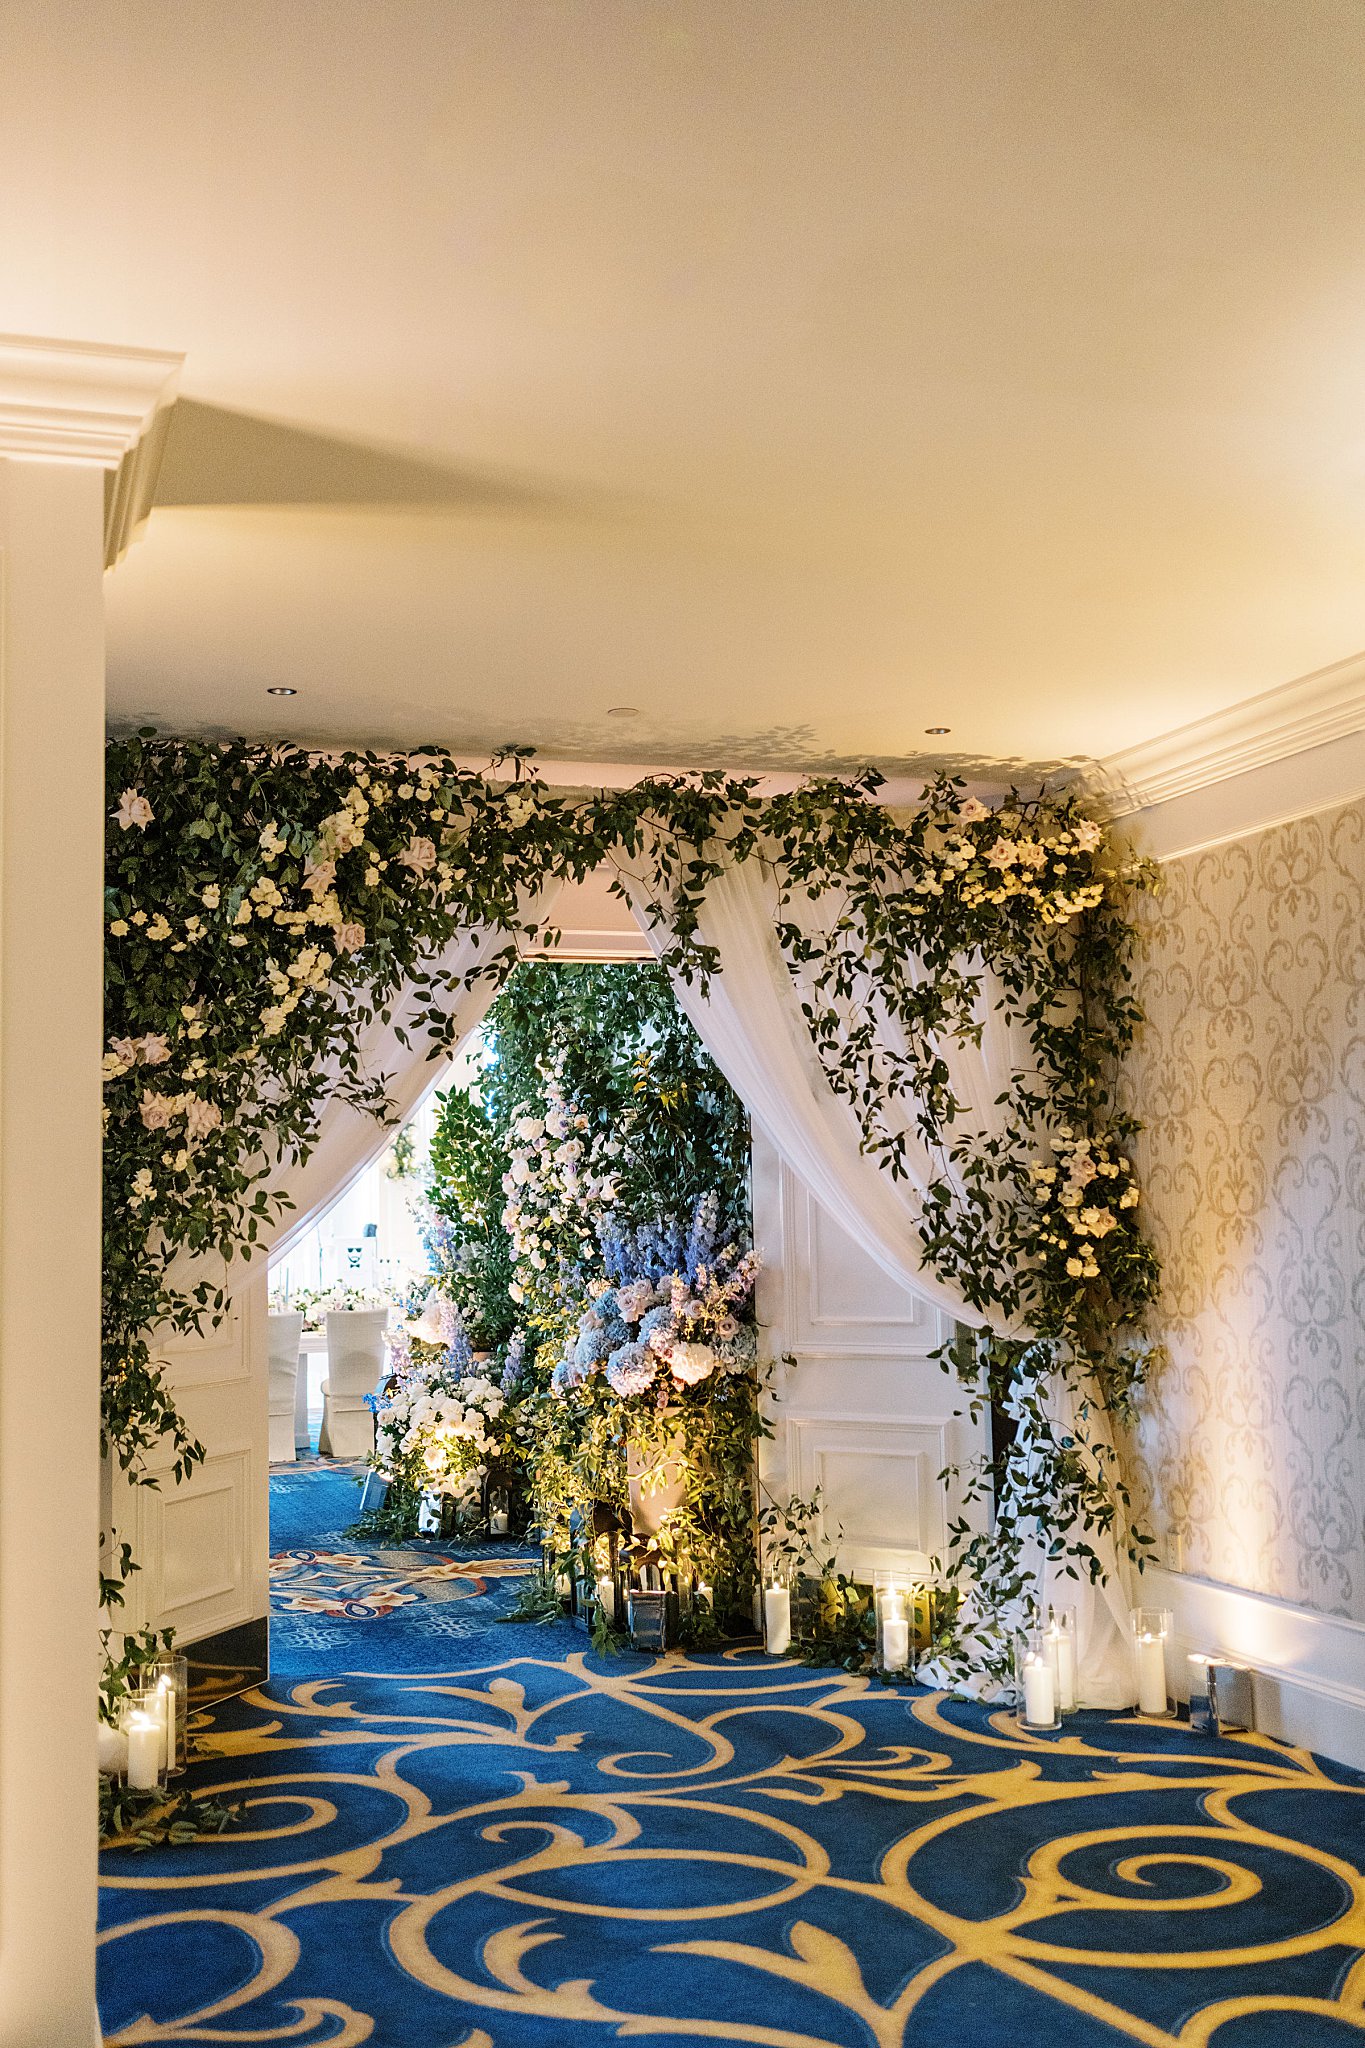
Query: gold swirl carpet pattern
{"points": [[544, 1848]]}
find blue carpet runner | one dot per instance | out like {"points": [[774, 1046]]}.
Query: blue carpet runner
{"points": [[459, 1834]]}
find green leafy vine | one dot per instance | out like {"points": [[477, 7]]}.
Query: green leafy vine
{"points": [[265, 905]]}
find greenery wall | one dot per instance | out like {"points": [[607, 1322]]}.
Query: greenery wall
{"points": [[600, 1154]]}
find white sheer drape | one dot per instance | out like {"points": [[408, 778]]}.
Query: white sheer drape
{"points": [[751, 1021], [349, 1140]]}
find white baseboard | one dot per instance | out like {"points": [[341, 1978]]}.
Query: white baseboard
{"points": [[1309, 1668]]}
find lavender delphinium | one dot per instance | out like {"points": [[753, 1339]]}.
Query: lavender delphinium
{"points": [[514, 1364], [676, 1312]]}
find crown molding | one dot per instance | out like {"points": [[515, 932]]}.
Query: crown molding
{"points": [[1316, 709], [75, 401]]}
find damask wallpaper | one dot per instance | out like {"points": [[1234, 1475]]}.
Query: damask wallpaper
{"points": [[1250, 1076]]}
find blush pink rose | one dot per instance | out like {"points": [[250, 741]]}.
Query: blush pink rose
{"points": [[202, 1117], [420, 856], [133, 809]]}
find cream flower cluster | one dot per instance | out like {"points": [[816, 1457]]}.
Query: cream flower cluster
{"points": [[151, 1050], [158, 1113], [560, 1183], [437, 1428], [311, 916], [996, 857], [1084, 1196], [311, 968], [132, 809]]}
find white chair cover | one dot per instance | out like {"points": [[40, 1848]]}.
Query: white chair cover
{"points": [[303, 1438], [355, 1367], [285, 1333]]}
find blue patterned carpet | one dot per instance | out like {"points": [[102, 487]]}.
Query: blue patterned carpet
{"points": [[462, 1835]]}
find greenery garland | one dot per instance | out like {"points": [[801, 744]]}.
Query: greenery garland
{"points": [[264, 905]]}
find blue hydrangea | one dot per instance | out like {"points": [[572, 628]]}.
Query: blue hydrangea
{"points": [[631, 1369]]}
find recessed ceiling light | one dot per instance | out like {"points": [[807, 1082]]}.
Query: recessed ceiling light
{"points": [[937, 728], [623, 711], [280, 690]]}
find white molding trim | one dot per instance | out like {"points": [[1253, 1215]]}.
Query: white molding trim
{"points": [[1277, 794], [82, 402], [1309, 1668], [1281, 722], [589, 943]]}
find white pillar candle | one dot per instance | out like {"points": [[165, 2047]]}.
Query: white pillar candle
{"points": [[497, 1522], [165, 1693], [1066, 1670], [146, 1748], [1040, 1692], [1151, 1674], [895, 1643], [777, 1620], [113, 1750], [704, 1592], [606, 1598]]}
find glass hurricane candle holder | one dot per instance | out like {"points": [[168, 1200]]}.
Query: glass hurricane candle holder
{"points": [[647, 1617], [171, 1677], [143, 1726], [1035, 1674], [1150, 1626], [895, 1604], [1199, 1667], [1061, 1623]]}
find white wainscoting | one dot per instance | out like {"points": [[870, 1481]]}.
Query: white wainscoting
{"points": [[865, 1413], [204, 1545], [1309, 1668]]}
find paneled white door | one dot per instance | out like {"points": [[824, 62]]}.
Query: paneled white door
{"points": [[204, 1545], [865, 1413]]}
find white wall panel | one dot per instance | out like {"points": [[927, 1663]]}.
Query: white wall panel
{"points": [[863, 1412], [204, 1545]]}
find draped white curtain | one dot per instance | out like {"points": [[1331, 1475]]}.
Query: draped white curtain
{"points": [[751, 1022], [350, 1140]]}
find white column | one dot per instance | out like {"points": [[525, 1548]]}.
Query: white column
{"points": [[69, 416]]}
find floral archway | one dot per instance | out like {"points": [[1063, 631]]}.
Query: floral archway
{"points": [[951, 986]]}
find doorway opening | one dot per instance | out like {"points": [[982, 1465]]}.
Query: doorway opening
{"points": [[552, 1254]]}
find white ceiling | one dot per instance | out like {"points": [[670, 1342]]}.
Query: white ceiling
{"points": [[802, 372]]}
